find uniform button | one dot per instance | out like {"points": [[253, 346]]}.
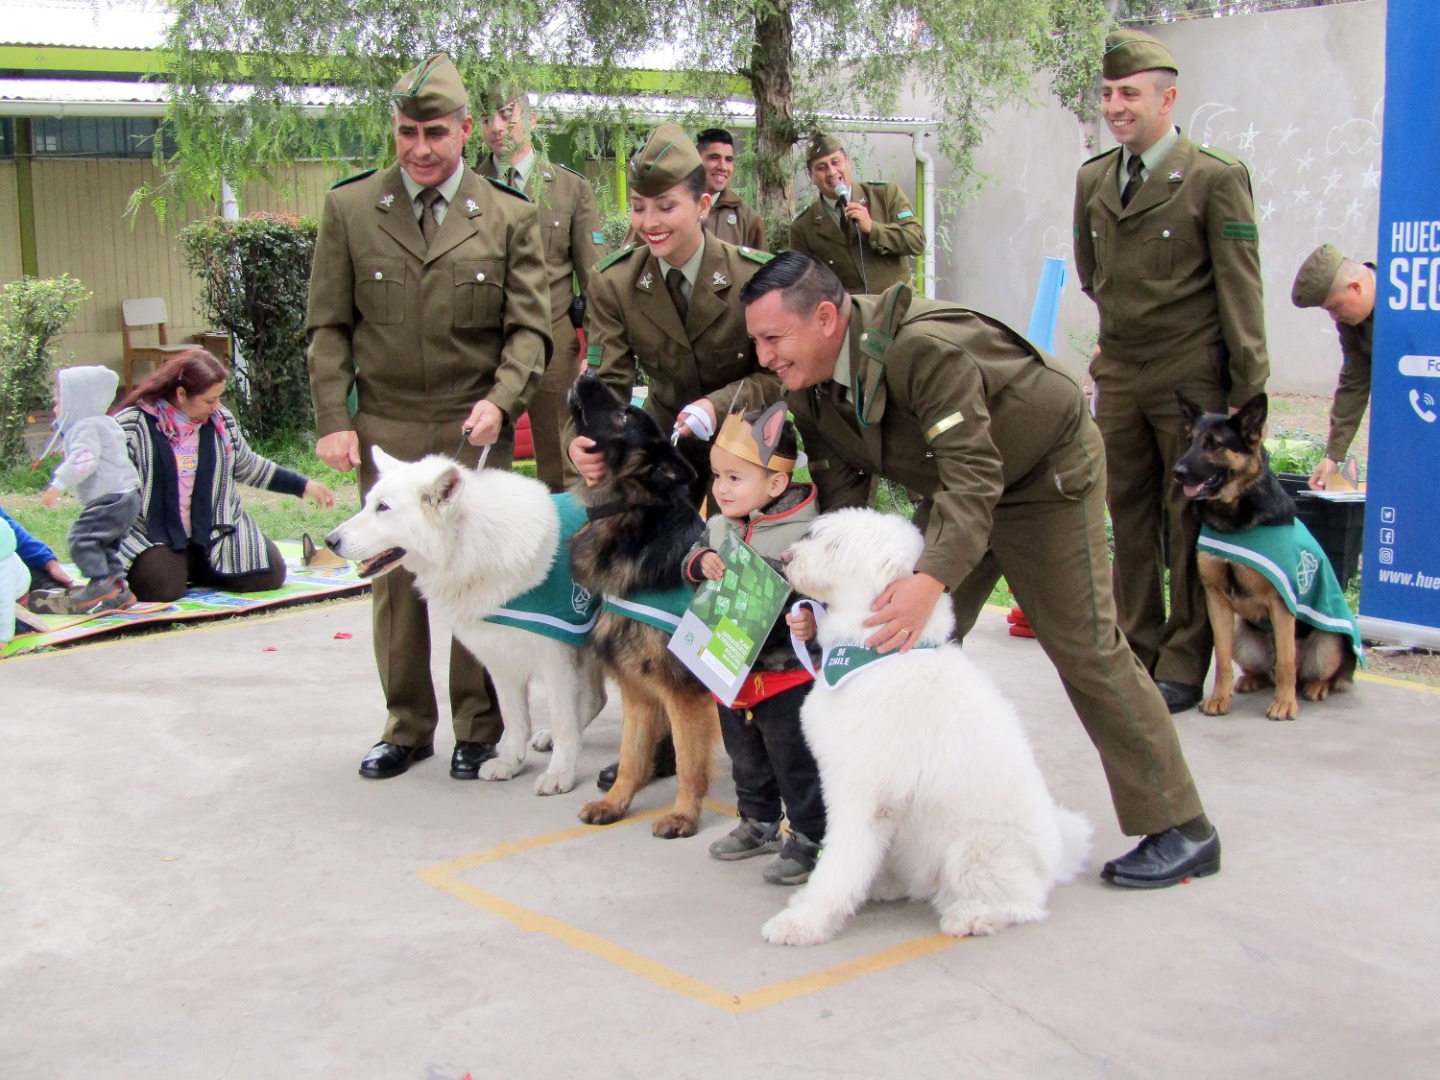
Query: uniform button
{"points": [[1095, 233], [739, 356], [1165, 233], [379, 275], [480, 276], [557, 223], [865, 336]]}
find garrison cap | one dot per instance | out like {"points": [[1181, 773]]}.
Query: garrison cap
{"points": [[821, 144], [1316, 276], [430, 90], [500, 94], [665, 160], [1129, 52]]}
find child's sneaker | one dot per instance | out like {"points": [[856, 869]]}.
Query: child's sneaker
{"points": [[101, 594], [796, 859], [51, 602], [746, 840]]}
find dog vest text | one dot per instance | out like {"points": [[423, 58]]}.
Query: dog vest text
{"points": [[838, 663], [557, 608]]}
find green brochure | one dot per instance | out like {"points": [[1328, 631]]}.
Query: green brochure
{"points": [[720, 636]]}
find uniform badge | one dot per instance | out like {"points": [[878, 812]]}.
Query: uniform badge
{"points": [[719, 279], [644, 282], [471, 205], [731, 219], [386, 200], [1177, 175]]}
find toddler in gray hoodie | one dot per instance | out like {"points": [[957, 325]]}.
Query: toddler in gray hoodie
{"points": [[98, 469]]}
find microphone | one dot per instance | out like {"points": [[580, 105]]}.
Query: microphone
{"points": [[842, 195]]}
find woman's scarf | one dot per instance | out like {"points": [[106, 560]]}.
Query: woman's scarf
{"points": [[177, 427]]}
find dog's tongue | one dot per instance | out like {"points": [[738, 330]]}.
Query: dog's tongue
{"points": [[1191, 490]]}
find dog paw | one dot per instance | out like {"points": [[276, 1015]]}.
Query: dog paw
{"points": [[600, 812], [673, 826], [1281, 709], [550, 783], [1216, 705], [791, 928], [499, 769], [1248, 684], [543, 742], [984, 921], [1318, 690]]}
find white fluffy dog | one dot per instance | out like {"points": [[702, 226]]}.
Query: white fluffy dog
{"points": [[475, 540], [931, 791]]}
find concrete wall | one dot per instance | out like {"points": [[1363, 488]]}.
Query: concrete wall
{"points": [[1297, 95]]}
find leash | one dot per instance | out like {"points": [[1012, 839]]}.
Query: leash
{"points": [[465, 438]]}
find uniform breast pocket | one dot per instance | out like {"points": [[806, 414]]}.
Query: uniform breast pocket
{"points": [[1168, 251], [380, 290], [479, 293], [556, 229]]}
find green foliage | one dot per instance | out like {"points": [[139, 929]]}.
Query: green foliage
{"points": [[32, 312], [1294, 452], [254, 281]]}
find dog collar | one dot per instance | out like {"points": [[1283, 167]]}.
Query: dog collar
{"points": [[838, 663], [595, 513]]}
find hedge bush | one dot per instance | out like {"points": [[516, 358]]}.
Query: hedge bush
{"points": [[32, 312], [254, 282]]}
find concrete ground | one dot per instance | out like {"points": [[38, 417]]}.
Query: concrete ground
{"points": [[196, 883]]}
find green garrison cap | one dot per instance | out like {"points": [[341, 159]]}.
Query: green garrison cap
{"points": [[500, 94], [821, 144], [666, 159], [431, 90], [1316, 276], [1129, 52]]}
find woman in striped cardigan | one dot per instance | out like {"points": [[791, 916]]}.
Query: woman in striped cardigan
{"points": [[191, 457]]}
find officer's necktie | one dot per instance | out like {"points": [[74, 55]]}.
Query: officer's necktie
{"points": [[675, 283], [512, 177], [428, 225], [1132, 185]]}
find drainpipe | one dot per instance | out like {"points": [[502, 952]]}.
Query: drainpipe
{"points": [[925, 186]]}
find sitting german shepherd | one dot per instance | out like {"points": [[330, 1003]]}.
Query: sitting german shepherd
{"points": [[641, 524], [1226, 473]]}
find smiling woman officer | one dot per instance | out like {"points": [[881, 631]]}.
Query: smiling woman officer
{"points": [[667, 304]]}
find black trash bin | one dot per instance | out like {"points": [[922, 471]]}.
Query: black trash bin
{"points": [[1338, 525]]}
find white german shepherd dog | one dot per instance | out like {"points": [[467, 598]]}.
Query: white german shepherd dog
{"points": [[475, 540], [931, 791]]}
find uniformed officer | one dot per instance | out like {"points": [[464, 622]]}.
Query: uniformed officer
{"points": [[866, 233], [428, 301], [1008, 469], [1346, 290], [570, 229], [1167, 247], [665, 304], [730, 219]]}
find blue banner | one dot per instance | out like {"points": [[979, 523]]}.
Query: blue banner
{"points": [[1400, 586]]}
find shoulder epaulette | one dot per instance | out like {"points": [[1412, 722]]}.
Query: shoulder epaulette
{"points": [[568, 169], [506, 187], [1220, 155], [616, 256], [1097, 157], [352, 179], [800, 213], [755, 255]]}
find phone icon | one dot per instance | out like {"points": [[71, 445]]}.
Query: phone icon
{"points": [[1428, 415]]}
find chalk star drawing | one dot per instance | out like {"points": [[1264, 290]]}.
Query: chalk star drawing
{"points": [[1303, 165], [1320, 210], [1287, 133], [1266, 209], [1301, 194], [1266, 175], [1372, 176], [1247, 138], [1353, 210], [1333, 181]]}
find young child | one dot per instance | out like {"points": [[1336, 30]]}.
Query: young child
{"points": [[751, 462], [98, 469]]}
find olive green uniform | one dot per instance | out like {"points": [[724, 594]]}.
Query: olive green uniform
{"points": [[1352, 396], [420, 336], [1176, 276], [895, 236], [1009, 472], [631, 324], [570, 229], [734, 222]]}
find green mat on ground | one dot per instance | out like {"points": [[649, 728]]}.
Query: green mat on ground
{"points": [[302, 584]]}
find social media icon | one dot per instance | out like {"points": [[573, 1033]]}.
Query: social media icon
{"points": [[1387, 515], [1387, 556], [1387, 536]]}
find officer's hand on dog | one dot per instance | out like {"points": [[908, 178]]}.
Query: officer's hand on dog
{"points": [[319, 494], [483, 425], [340, 450], [901, 611], [1320, 478], [589, 462]]}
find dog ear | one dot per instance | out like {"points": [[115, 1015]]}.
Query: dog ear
{"points": [[383, 460], [1250, 420], [446, 487], [1189, 411]]}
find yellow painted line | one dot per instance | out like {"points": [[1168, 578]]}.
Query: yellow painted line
{"points": [[1404, 684], [443, 877]]}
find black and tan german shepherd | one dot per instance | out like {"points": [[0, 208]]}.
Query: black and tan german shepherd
{"points": [[641, 524], [1226, 473]]}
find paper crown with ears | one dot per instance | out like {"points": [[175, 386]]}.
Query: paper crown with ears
{"points": [[756, 442]]}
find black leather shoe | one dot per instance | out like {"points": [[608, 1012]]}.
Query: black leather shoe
{"points": [[1165, 859], [664, 765], [465, 762], [1178, 696], [387, 759]]}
